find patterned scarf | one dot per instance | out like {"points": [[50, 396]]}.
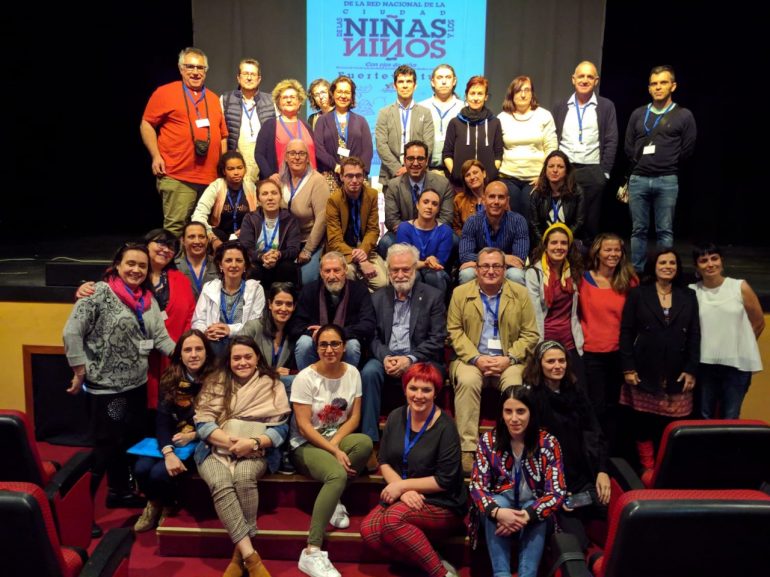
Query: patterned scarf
{"points": [[551, 282]]}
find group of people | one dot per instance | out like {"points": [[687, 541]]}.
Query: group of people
{"points": [[292, 324]]}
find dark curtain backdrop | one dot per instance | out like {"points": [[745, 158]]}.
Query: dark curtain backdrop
{"points": [[77, 91]]}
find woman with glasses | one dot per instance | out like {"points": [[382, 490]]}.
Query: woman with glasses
{"points": [[229, 301], [305, 192], [326, 398], [108, 339], [529, 135], [227, 200], [271, 238], [318, 92], [342, 132], [276, 133]]}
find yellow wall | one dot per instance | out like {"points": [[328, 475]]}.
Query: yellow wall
{"points": [[42, 323], [25, 324]]}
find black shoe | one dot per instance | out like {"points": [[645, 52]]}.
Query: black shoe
{"points": [[96, 531], [286, 467], [125, 500]]}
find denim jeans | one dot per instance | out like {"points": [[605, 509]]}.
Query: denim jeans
{"points": [[658, 193], [386, 241], [311, 270], [372, 379], [518, 195], [436, 278], [724, 385], [305, 352], [531, 542]]}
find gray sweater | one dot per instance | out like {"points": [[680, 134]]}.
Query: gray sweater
{"points": [[103, 334]]}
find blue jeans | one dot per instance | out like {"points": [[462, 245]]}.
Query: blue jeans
{"points": [[305, 352], [436, 278], [386, 241], [372, 379], [724, 385], [511, 273], [154, 481], [518, 194], [311, 270], [531, 542], [658, 193]]}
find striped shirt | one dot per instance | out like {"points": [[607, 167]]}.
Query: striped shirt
{"points": [[512, 236]]}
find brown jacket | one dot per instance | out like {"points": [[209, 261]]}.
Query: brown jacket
{"points": [[338, 215]]}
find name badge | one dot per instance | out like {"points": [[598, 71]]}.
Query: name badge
{"points": [[494, 345], [164, 315], [342, 151], [649, 149], [202, 123], [146, 345], [252, 136]]}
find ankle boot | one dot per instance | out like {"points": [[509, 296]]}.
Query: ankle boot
{"points": [[255, 567], [235, 567]]}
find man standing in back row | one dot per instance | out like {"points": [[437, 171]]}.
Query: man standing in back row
{"points": [[184, 131], [587, 130], [659, 136]]}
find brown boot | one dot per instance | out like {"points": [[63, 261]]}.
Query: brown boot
{"points": [[255, 567], [235, 567]]}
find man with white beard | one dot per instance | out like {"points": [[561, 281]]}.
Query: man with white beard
{"points": [[332, 299], [410, 328]]}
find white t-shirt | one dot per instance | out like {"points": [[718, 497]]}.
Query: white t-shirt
{"points": [[330, 400]]}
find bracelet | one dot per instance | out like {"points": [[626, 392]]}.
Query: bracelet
{"points": [[495, 511], [164, 450]]}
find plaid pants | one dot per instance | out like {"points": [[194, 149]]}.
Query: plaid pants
{"points": [[235, 495], [399, 531]]}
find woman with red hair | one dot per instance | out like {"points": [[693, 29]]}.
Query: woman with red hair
{"points": [[420, 460]]}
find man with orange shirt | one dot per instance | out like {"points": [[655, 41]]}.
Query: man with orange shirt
{"points": [[184, 131]]}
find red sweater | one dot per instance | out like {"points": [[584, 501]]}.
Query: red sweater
{"points": [[600, 313]]}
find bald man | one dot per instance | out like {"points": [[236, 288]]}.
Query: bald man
{"points": [[588, 133]]}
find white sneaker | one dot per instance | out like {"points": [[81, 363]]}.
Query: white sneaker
{"points": [[340, 519], [317, 564], [450, 570]]}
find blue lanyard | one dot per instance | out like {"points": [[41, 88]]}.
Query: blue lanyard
{"points": [[657, 118], [355, 214], [405, 112], [555, 209], [197, 279], [139, 310], [277, 354], [293, 188], [409, 444], [234, 206], [496, 323], [286, 128], [441, 117], [249, 114], [488, 234], [344, 136], [229, 316], [580, 118], [269, 243], [194, 102]]}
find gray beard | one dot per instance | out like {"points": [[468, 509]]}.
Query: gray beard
{"points": [[405, 286], [335, 288]]}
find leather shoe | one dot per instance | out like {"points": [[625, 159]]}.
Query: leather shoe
{"points": [[96, 531], [124, 500]]}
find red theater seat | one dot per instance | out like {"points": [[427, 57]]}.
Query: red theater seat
{"points": [[67, 488], [29, 545]]}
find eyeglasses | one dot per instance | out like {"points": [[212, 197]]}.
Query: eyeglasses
{"points": [[335, 345], [416, 159], [296, 154], [196, 67], [495, 267], [343, 92], [320, 93], [525, 90], [354, 176]]}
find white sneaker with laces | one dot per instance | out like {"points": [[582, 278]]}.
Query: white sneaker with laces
{"points": [[340, 518], [317, 564]]}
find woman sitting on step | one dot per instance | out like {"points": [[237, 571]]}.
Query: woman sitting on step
{"points": [[241, 417], [420, 460]]}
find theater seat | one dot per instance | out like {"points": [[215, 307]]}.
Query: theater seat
{"points": [[29, 544], [67, 488], [679, 533]]}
